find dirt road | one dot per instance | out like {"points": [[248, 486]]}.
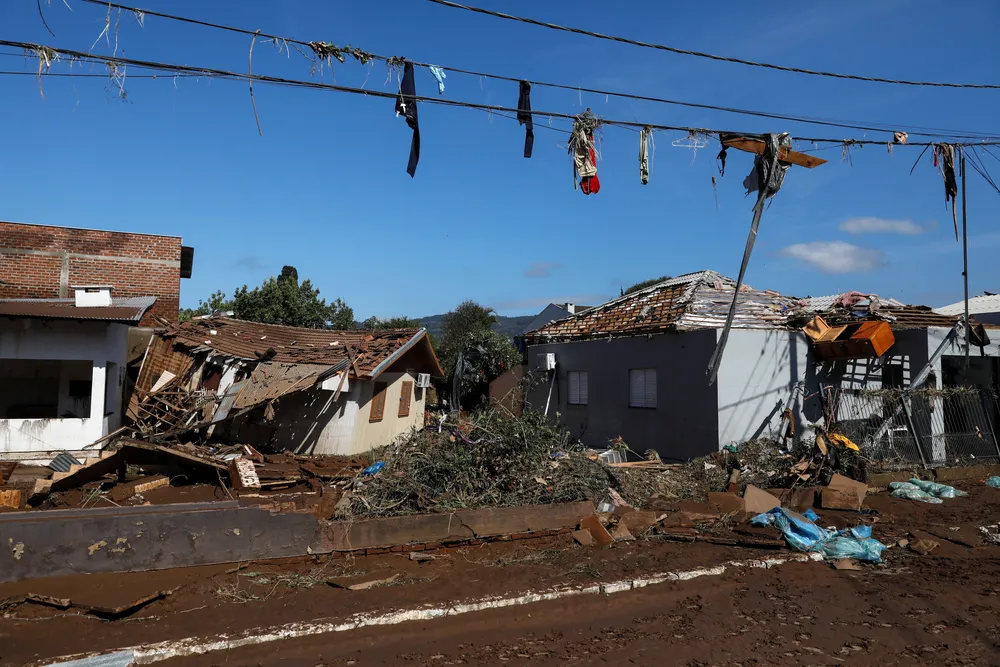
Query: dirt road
{"points": [[922, 610], [913, 609]]}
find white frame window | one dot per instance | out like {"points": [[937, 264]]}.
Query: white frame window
{"points": [[642, 388], [576, 387]]}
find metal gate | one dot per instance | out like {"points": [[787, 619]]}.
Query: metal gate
{"points": [[923, 426]]}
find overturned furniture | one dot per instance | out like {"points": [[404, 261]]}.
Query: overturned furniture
{"points": [[858, 340]]}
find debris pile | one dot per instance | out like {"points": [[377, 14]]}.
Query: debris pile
{"points": [[492, 458]]}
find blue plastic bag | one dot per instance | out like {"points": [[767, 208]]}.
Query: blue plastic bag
{"points": [[994, 482], [809, 514], [373, 469], [804, 535]]}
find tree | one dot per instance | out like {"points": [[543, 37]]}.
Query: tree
{"points": [[488, 354], [644, 284], [216, 303], [284, 300], [468, 318], [401, 322]]}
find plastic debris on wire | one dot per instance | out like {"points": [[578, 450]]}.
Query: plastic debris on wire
{"points": [[804, 535], [373, 469], [994, 482]]}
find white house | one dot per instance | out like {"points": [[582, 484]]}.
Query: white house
{"points": [[62, 369]]}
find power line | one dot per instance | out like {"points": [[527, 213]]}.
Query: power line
{"points": [[850, 125], [52, 54], [710, 56]]}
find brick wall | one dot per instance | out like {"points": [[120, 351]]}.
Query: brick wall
{"points": [[38, 261]]}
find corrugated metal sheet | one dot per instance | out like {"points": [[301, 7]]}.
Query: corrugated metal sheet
{"points": [[987, 303], [130, 309], [273, 379]]}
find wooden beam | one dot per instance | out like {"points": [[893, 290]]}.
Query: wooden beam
{"points": [[756, 146]]}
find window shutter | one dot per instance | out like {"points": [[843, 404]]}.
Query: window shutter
{"points": [[642, 388], [574, 387], [583, 387], [636, 389], [378, 402], [405, 395], [650, 389]]}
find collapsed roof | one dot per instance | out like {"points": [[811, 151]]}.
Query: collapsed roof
{"points": [[701, 301]]}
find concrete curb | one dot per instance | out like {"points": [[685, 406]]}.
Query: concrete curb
{"points": [[144, 655]]}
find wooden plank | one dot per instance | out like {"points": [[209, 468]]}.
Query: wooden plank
{"points": [[785, 155]]}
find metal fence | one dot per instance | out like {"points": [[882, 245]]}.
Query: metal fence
{"points": [[900, 427]]}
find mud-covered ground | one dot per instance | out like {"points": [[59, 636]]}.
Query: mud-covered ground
{"points": [[939, 608]]}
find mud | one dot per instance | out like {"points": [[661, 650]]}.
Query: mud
{"points": [[914, 609]]}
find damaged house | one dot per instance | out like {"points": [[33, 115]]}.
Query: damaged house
{"points": [[635, 367], [62, 369], [311, 391]]}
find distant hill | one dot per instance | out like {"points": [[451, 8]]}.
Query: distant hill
{"points": [[510, 326]]}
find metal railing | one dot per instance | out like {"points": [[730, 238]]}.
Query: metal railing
{"points": [[924, 426]]}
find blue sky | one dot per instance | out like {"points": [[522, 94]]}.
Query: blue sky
{"points": [[325, 187]]}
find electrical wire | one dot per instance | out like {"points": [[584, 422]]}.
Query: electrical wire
{"points": [[53, 54], [710, 56], [850, 125]]}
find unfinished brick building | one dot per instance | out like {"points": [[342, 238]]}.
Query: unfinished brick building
{"points": [[40, 261]]}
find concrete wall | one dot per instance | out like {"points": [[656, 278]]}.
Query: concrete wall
{"points": [[369, 435], [310, 422], [759, 371], [96, 342], [684, 423], [39, 261]]}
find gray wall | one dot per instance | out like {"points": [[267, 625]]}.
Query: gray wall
{"points": [[683, 425]]}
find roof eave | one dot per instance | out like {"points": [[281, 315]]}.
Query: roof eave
{"points": [[403, 349]]}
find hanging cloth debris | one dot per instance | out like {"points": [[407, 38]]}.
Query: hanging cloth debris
{"points": [[524, 117], [766, 178], [439, 76], [721, 159], [899, 137], [581, 147], [946, 152], [644, 139], [406, 105]]}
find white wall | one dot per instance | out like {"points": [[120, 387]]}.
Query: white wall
{"points": [[370, 435], [759, 371], [96, 342]]}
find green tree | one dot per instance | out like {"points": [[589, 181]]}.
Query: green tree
{"points": [[401, 322], [489, 354], [468, 318], [216, 303], [284, 300], [644, 284]]}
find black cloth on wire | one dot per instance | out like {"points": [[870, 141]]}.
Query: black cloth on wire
{"points": [[406, 105], [524, 117]]}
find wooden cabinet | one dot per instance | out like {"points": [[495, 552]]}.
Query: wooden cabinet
{"points": [[858, 340]]}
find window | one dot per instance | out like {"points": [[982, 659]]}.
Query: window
{"points": [[405, 396], [577, 381], [378, 402], [642, 388]]}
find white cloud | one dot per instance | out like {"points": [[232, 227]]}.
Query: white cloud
{"points": [[541, 269], [836, 256], [873, 225]]}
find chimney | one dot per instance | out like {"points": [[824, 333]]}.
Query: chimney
{"points": [[92, 296], [571, 307]]}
